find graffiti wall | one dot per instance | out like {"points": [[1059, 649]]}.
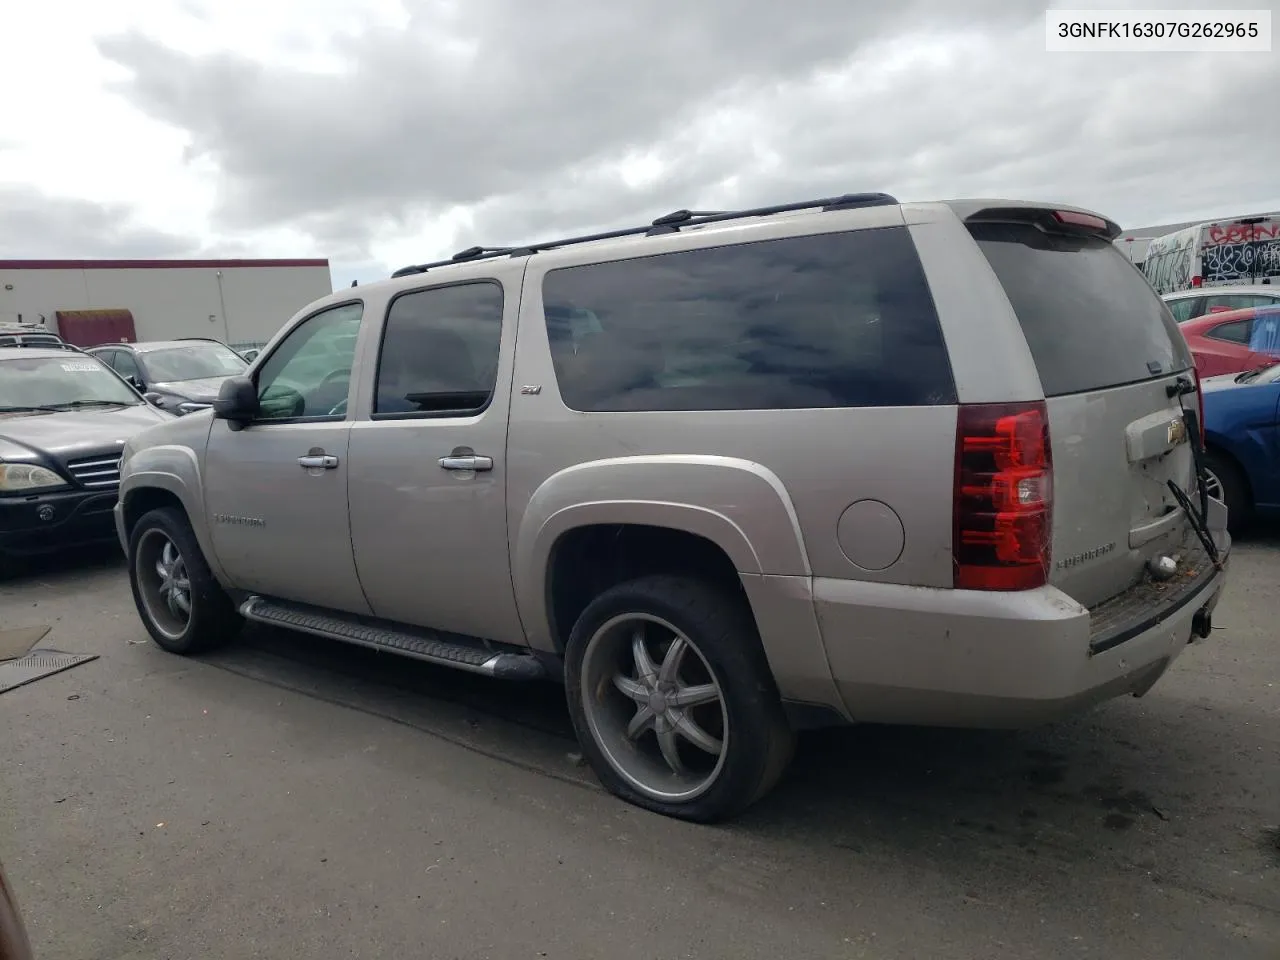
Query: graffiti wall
{"points": [[1170, 260], [1241, 251]]}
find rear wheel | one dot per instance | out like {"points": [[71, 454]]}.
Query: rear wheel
{"points": [[1227, 483], [182, 606], [672, 699]]}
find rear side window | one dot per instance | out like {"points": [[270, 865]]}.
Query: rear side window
{"points": [[1237, 331], [832, 320], [1089, 317], [1185, 308]]}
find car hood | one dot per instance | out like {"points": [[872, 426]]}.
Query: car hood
{"points": [[1224, 381], [67, 433], [204, 390]]}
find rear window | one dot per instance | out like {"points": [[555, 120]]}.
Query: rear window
{"points": [[1091, 320], [832, 320]]}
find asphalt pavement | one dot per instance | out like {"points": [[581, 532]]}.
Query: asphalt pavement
{"points": [[288, 797]]}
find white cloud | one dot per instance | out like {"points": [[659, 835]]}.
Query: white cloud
{"points": [[382, 132]]}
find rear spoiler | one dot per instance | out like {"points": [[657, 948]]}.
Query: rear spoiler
{"points": [[1058, 218]]}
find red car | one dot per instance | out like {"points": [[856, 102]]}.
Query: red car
{"points": [[1234, 341]]}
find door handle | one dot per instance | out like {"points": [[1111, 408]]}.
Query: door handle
{"points": [[318, 461], [467, 463]]}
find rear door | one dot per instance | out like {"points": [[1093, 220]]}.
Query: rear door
{"points": [[1107, 349]]}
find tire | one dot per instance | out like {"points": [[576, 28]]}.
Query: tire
{"points": [[721, 652], [1235, 491], [212, 619]]}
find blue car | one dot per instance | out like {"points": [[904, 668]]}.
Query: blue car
{"points": [[1242, 434]]}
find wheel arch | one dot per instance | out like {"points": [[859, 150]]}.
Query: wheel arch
{"points": [[166, 476], [734, 513]]}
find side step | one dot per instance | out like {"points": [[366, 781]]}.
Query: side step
{"points": [[461, 653]]}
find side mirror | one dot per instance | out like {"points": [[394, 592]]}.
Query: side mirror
{"points": [[155, 399], [237, 402], [135, 381]]}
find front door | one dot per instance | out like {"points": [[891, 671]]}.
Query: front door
{"points": [[428, 470], [276, 490]]}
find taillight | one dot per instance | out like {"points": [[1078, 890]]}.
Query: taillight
{"points": [[1003, 496]]}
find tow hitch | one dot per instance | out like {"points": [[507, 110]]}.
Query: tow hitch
{"points": [[1202, 623]]}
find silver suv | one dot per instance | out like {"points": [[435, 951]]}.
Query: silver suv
{"points": [[726, 476]]}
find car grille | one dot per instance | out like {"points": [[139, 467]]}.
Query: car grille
{"points": [[97, 473]]}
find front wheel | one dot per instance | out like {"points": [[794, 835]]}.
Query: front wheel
{"points": [[181, 604], [672, 699]]}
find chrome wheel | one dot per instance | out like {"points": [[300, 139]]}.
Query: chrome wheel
{"points": [[1213, 486], [654, 707], [164, 583]]}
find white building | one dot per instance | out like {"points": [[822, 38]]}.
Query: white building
{"points": [[240, 302]]}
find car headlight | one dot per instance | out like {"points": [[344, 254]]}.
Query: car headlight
{"points": [[23, 477]]}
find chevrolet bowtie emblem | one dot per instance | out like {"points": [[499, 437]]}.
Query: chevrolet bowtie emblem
{"points": [[1177, 432]]}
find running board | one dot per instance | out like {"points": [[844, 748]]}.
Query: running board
{"points": [[460, 653]]}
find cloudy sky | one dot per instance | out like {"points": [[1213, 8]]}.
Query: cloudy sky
{"points": [[383, 132]]}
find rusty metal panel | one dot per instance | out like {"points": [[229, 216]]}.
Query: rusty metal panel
{"points": [[89, 328]]}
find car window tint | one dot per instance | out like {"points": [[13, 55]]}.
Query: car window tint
{"points": [[832, 320], [125, 364], [1183, 309], [1237, 331], [440, 350], [309, 373], [1234, 301], [1090, 319]]}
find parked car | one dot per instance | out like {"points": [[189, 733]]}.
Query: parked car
{"points": [[1192, 304], [180, 376], [25, 335], [15, 944], [1242, 436], [1234, 341], [725, 476], [64, 418]]}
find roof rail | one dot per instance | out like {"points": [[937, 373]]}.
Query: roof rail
{"points": [[668, 223]]}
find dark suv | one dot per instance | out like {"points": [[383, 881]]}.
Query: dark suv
{"points": [[180, 376]]}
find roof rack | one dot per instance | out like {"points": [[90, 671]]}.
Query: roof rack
{"points": [[668, 223]]}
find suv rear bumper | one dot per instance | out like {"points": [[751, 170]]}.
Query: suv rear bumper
{"points": [[918, 655]]}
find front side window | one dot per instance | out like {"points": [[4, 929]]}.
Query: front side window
{"points": [[440, 351], [193, 361], [126, 365], [309, 373], [30, 384], [829, 320]]}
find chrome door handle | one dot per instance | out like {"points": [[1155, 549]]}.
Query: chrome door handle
{"points": [[467, 463], [318, 461]]}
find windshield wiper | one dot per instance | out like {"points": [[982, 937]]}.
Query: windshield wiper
{"points": [[67, 405], [1254, 374], [91, 403]]}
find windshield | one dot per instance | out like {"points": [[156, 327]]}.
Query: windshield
{"points": [[193, 362], [28, 382]]}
